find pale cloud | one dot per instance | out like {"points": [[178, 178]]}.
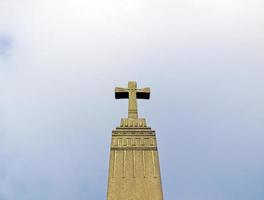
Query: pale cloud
{"points": [[5, 45]]}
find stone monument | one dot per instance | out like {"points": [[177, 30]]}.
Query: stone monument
{"points": [[134, 171]]}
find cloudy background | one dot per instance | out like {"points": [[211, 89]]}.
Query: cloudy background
{"points": [[61, 59]]}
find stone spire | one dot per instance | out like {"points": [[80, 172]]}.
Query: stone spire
{"points": [[134, 171]]}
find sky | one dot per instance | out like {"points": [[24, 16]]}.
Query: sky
{"points": [[59, 64]]}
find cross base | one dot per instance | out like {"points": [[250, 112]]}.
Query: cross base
{"points": [[134, 123]]}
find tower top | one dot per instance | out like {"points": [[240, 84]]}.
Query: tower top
{"points": [[132, 93]]}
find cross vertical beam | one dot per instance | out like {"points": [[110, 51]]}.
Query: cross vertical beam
{"points": [[132, 100]]}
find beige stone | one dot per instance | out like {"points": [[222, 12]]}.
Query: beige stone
{"points": [[134, 171]]}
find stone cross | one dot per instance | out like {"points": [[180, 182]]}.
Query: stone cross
{"points": [[132, 94]]}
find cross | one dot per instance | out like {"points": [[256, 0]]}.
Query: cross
{"points": [[132, 94]]}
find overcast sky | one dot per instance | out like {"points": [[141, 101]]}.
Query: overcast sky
{"points": [[61, 59]]}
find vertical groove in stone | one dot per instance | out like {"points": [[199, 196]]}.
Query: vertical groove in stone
{"points": [[153, 164], [124, 164], [134, 164], [114, 164], [144, 164]]}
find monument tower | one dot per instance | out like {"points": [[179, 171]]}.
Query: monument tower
{"points": [[134, 171]]}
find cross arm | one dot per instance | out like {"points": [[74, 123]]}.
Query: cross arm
{"points": [[121, 93], [143, 93]]}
